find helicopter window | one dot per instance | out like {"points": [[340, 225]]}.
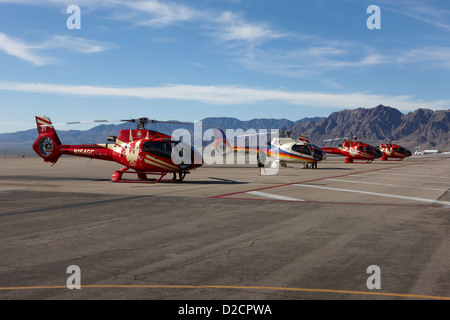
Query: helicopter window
{"points": [[301, 148], [366, 149], [158, 148], [146, 147]]}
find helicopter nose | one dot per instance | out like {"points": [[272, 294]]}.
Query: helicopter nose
{"points": [[319, 155], [378, 153], [195, 161], [408, 153]]}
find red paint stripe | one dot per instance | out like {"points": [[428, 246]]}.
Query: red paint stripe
{"points": [[343, 203], [312, 180]]}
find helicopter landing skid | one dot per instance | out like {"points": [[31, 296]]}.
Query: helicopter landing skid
{"points": [[350, 160], [387, 159], [142, 176]]}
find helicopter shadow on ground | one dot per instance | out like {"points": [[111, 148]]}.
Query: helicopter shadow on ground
{"points": [[214, 180], [46, 178], [322, 168], [334, 168]]}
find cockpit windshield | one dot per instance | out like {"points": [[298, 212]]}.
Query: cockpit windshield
{"points": [[301, 148], [370, 150], [181, 153], [367, 149]]}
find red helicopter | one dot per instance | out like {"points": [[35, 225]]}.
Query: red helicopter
{"points": [[140, 151], [395, 151], [353, 149]]}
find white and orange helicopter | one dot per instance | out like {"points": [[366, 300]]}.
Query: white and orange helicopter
{"points": [[280, 151]]}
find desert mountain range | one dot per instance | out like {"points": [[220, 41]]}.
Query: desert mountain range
{"points": [[422, 128]]}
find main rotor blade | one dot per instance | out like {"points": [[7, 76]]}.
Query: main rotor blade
{"points": [[179, 122], [139, 120], [79, 122], [335, 139]]}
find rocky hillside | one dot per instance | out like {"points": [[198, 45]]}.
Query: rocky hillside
{"points": [[422, 128]]}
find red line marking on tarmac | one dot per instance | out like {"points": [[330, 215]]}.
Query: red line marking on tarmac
{"points": [[343, 203], [230, 195]]}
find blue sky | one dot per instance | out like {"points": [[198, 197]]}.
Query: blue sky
{"points": [[187, 60]]}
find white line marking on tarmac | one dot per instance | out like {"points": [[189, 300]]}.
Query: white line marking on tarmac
{"points": [[273, 196], [356, 175], [376, 194], [386, 184], [429, 174]]}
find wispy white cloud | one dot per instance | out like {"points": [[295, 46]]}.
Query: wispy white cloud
{"points": [[250, 40], [439, 57], [225, 25], [230, 26], [425, 11], [311, 59], [31, 52], [159, 14], [22, 50], [321, 58], [307, 54], [232, 95], [77, 44], [56, 2], [434, 13]]}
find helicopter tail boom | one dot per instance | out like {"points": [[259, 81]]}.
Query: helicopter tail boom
{"points": [[47, 143]]}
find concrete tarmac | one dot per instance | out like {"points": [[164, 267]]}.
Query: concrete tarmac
{"points": [[227, 233]]}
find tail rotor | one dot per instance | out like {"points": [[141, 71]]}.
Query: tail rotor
{"points": [[47, 143]]}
